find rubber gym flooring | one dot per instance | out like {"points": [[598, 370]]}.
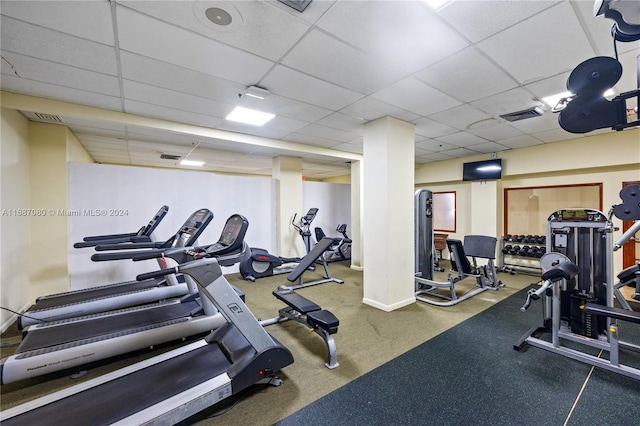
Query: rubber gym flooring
{"points": [[471, 375]]}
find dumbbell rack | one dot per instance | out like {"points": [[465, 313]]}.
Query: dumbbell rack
{"points": [[522, 253]]}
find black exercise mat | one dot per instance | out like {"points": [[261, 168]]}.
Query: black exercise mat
{"points": [[471, 374]]}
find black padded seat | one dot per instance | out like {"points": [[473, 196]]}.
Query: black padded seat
{"points": [[323, 319], [566, 270], [296, 301]]}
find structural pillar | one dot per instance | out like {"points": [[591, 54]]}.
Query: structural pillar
{"points": [[287, 171], [388, 222], [356, 216]]}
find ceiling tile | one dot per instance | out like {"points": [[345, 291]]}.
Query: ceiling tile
{"points": [[461, 139], [256, 27], [328, 133], [170, 114], [556, 135], [296, 85], [496, 132], [461, 116], [413, 95], [34, 88], [162, 74], [562, 45], [467, 75], [345, 122], [432, 129], [400, 35], [58, 74], [520, 141], [371, 109], [460, 152], [42, 43], [341, 64], [171, 99], [436, 156], [91, 19], [510, 101], [488, 147], [478, 20], [177, 46], [435, 145]]}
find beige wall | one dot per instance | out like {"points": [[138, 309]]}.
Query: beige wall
{"points": [[35, 246], [609, 158], [15, 252]]}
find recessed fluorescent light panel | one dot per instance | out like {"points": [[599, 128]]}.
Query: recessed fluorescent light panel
{"points": [[192, 163], [249, 116], [438, 4]]}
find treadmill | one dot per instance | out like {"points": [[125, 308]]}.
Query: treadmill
{"points": [[178, 384], [144, 234], [119, 295], [78, 341]]}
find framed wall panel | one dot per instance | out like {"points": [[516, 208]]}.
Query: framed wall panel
{"points": [[527, 209], [444, 211]]}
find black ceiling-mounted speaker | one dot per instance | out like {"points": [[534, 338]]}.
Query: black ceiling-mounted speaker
{"points": [[625, 13], [589, 110], [299, 5]]}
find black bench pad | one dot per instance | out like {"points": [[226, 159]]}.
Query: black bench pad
{"points": [[566, 270], [323, 319], [297, 302]]}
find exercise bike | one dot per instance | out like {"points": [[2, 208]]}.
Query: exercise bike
{"points": [[341, 247], [262, 264]]}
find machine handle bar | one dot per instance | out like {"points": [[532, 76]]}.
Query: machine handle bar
{"points": [[535, 294], [156, 274]]}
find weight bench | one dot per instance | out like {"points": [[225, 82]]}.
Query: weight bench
{"points": [[310, 259], [306, 312]]}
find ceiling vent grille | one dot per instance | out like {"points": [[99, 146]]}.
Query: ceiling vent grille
{"points": [[524, 114], [169, 157], [48, 117]]}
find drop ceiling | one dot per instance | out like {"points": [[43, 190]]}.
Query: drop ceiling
{"points": [[329, 70]]}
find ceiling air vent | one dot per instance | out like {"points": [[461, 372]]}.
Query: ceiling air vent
{"points": [[169, 157], [49, 118], [521, 115]]}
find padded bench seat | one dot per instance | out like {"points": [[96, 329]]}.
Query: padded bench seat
{"points": [[323, 319]]}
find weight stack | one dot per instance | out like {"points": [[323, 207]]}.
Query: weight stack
{"points": [[581, 322]]}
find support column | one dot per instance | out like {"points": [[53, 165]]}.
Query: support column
{"points": [[484, 205], [287, 171], [356, 216], [388, 226]]}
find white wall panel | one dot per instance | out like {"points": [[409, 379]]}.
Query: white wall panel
{"points": [[333, 201], [140, 192]]}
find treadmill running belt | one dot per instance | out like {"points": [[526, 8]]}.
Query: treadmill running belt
{"points": [[120, 398], [101, 326], [97, 293]]}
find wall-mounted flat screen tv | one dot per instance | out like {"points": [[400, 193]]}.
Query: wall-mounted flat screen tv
{"points": [[482, 170]]}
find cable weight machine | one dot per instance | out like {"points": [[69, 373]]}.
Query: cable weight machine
{"points": [[578, 290]]}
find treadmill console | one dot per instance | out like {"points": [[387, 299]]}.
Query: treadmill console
{"points": [[232, 236], [194, 226], [155, 221]]}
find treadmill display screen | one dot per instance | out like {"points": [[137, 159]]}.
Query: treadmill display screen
{"points": [[231, 230]]}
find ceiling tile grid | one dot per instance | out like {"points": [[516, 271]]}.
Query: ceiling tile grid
{"points": [[328, 71]]}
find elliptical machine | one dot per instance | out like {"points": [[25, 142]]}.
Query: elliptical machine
{"points": [[340, 249], [262, 264]]}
